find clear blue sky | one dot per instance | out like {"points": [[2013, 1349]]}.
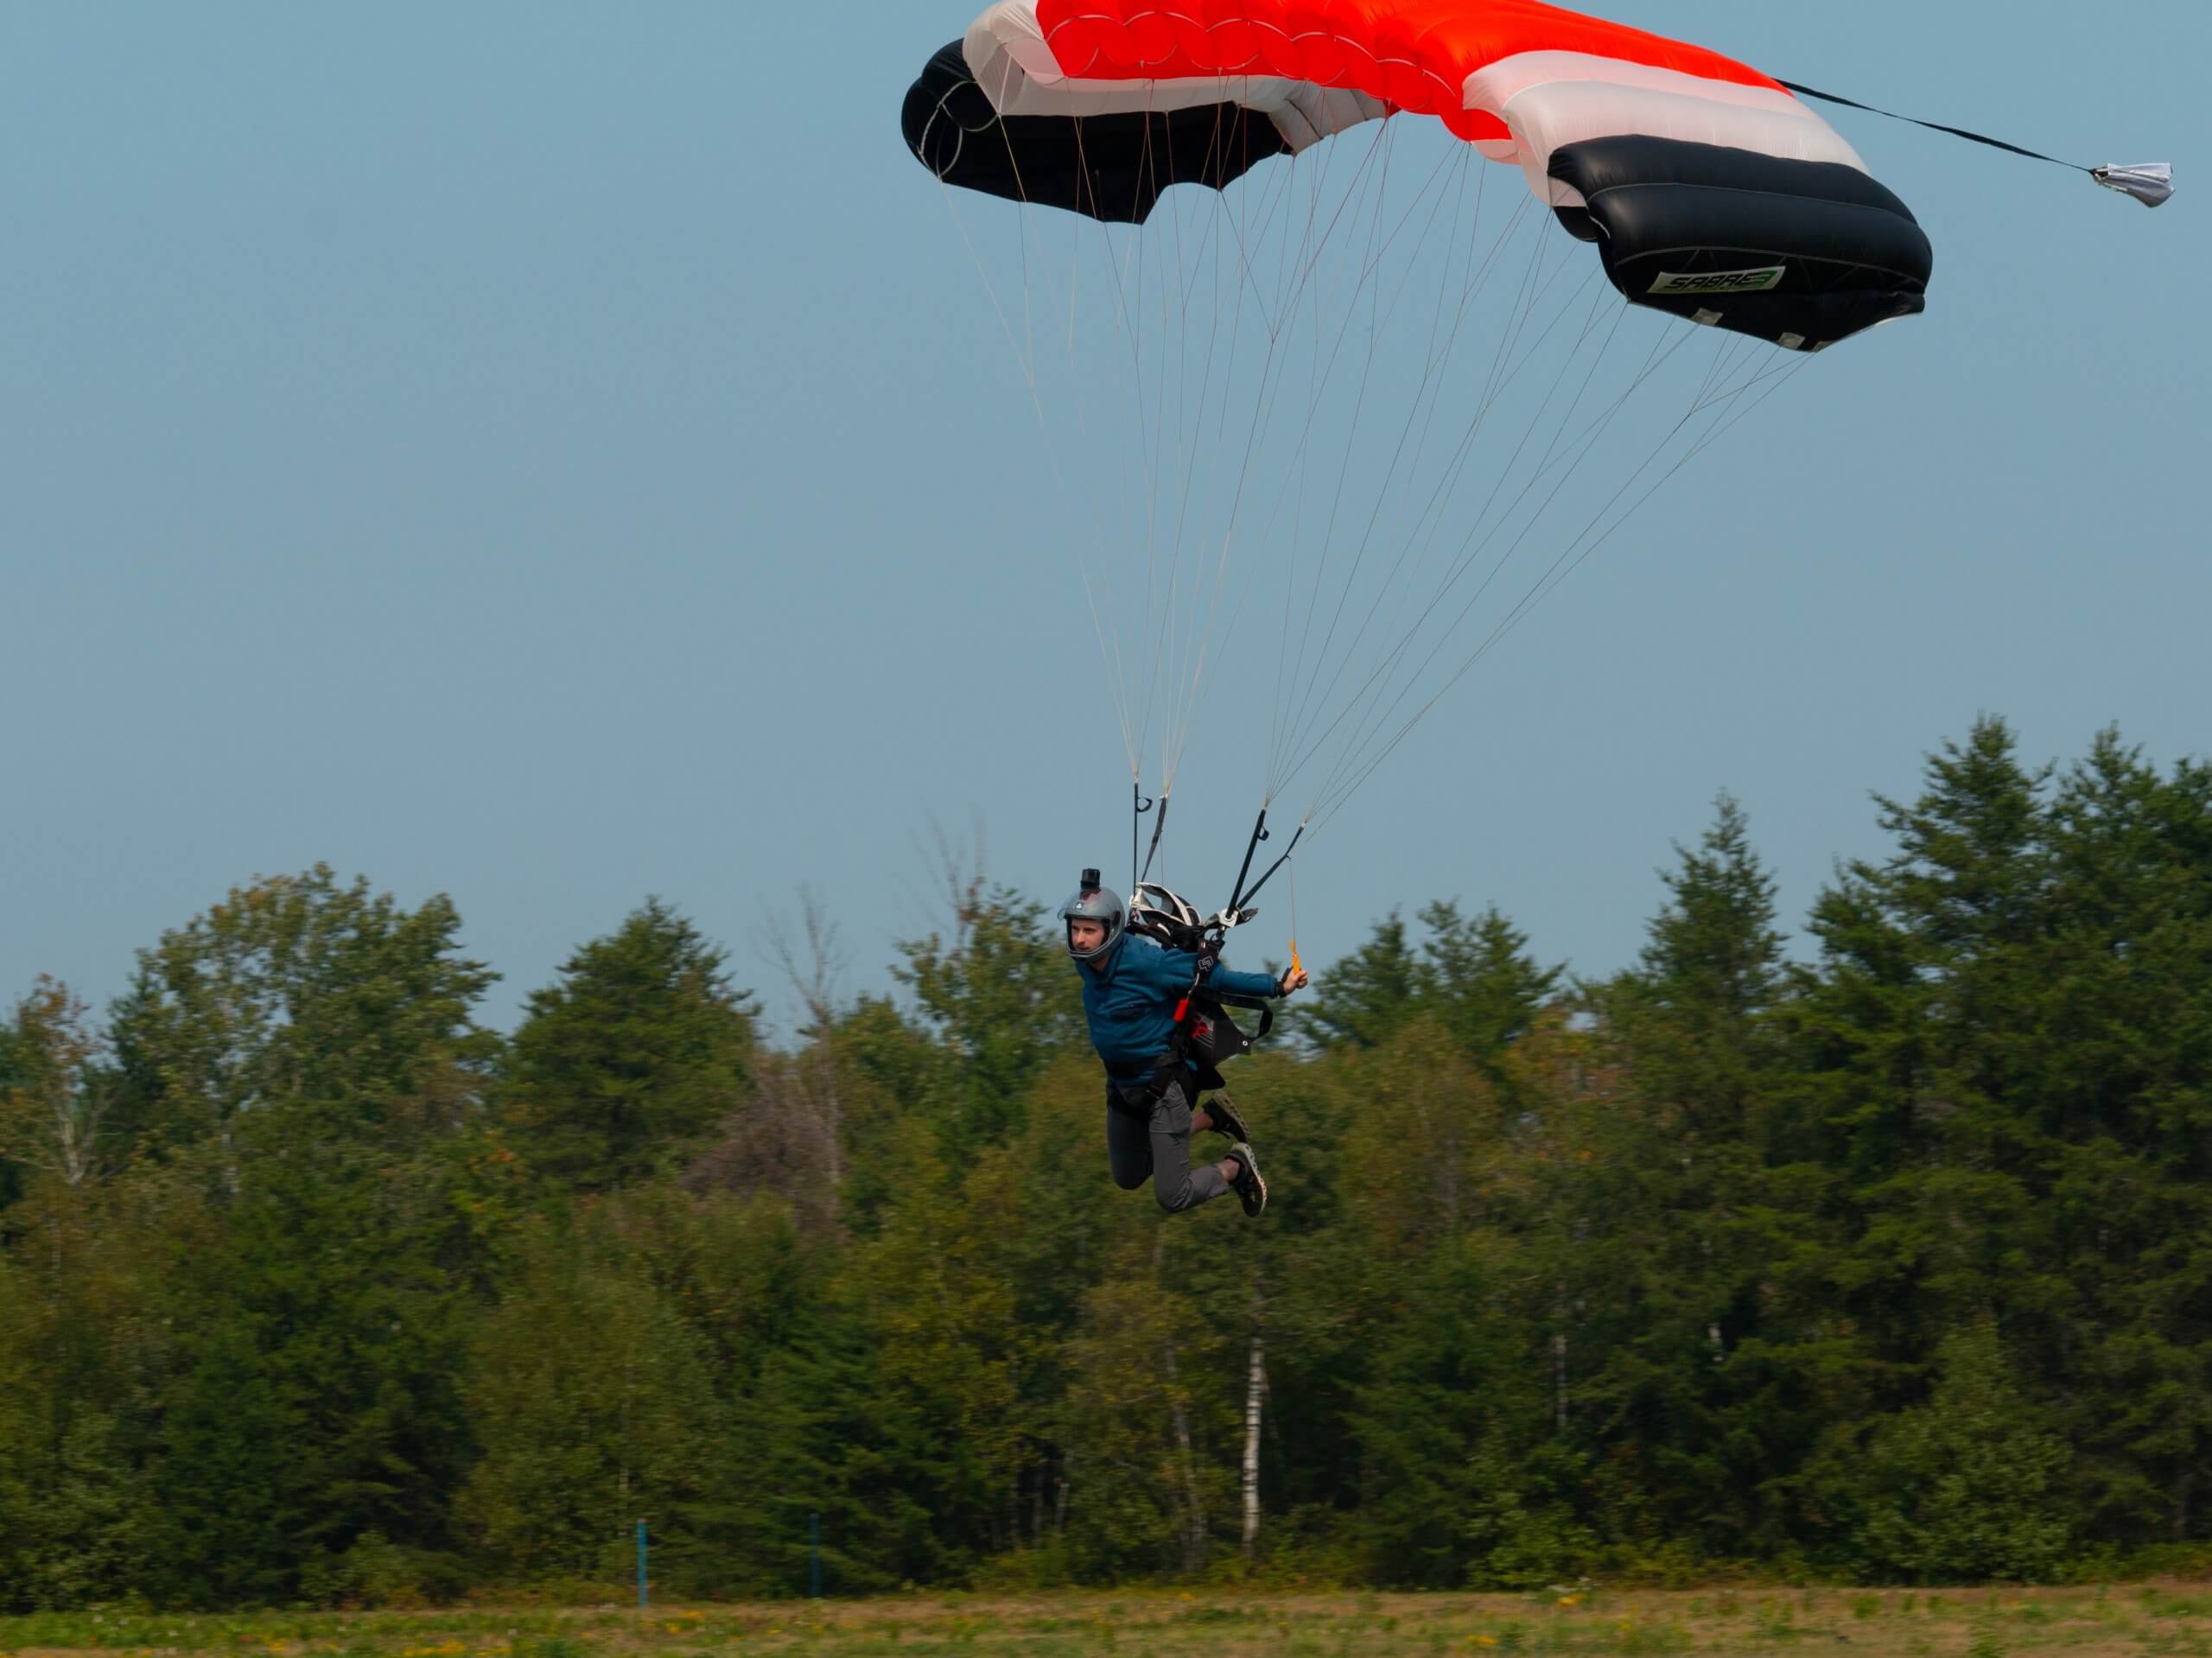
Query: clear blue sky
{"points": [[542, 454]]}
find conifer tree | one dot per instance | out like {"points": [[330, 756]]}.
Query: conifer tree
{"points": [[624, 1067], [1685, 1379]]}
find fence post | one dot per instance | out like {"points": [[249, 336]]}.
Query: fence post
{"points": [[641, 1566]]}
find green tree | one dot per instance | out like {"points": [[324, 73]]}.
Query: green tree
{"points": [[12, 1080], [1147, 1433], [1692, 1340], [593, 1403], [56, 1099], [1911, 1050], [1478, 979], [83, 1353], [1462, 1477], [1471, 974], [1970, 1485], [2005, 1059], [86, 1332], [896, 1070], [318, 1363], [999, 1000], [298, 988], [19, 1402], [232, 1498], [1365, 997], [624, 1068], [305, 1052], [936, 1294], [1451, 1376], [2115, 1075]]}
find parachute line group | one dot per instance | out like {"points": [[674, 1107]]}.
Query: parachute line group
{"points": [[1305, 362], [1240, 335]]}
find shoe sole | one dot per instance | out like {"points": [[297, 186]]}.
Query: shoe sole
{"points": [[1227, 1121], [1255, 1199]]}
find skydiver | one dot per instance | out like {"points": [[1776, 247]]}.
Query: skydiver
{"points": [[1131, 985]]}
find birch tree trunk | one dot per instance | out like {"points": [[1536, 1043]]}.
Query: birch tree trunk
{"points": [[1256, 1388]]}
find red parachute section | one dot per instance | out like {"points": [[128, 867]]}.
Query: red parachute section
{"points": [[1413, 55]]}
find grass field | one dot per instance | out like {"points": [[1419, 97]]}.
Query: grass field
{"points": [[2150, 1619]]}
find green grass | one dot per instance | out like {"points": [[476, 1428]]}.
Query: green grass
{"points": [[2158, 1620]]}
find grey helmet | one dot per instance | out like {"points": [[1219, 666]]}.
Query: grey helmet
{"points": [[1092, 902]]}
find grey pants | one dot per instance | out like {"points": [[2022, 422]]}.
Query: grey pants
{"points": [[1161, 1152]]}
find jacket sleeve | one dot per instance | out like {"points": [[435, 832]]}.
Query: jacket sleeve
{"points": [[1170, 970], [1230, 982]]}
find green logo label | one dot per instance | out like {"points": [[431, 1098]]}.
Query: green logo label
{"points": [[1719, 281]]}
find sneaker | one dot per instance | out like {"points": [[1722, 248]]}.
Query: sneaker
{"points": [[1226, 1120], [1248, 1185]]}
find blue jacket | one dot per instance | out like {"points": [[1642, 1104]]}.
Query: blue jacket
{"points": [[1130, 1002]]}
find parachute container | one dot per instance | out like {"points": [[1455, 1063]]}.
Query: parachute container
{"points": [[1710, 190]]}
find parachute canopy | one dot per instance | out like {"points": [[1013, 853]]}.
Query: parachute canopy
{"points": [[1710, 191]]}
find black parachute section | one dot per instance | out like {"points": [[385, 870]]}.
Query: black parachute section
{"points": [[1800, 253], [1109, 167]]}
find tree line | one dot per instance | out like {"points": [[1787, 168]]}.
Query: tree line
{"points": [[1885, 1257]]}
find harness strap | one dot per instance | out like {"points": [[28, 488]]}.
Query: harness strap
{"points": [[1137, 1100], [1179, 1043]]}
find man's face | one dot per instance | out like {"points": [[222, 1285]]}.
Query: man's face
{"points": [[1086, 934]]}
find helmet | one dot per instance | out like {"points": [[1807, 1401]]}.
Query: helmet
{"points": [[1092, 902], [1165, 917]]}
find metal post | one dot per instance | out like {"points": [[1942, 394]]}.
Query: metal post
{"points": [[814, 1557], [641, 1566]]}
